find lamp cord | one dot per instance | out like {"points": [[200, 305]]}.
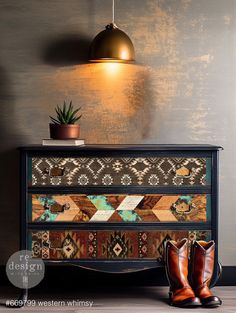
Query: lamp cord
{"points": [[113, 11]]}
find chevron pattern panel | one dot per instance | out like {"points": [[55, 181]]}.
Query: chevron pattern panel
{"points": [[123, 171], [119, 208], [120, 244]]}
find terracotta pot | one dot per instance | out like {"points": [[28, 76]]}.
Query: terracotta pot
{"points": [[63, 131]]}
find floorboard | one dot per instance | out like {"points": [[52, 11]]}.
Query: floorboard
{"points": [[121, 300]]}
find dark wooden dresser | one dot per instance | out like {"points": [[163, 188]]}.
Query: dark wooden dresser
{"points": [[112, 207]]}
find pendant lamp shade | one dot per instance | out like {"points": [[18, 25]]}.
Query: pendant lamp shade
{"points": [[112, 45]]}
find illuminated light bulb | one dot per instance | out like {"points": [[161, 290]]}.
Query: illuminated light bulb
{"points": [[124, 54]]}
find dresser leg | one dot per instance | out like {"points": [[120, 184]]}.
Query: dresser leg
{"points": [[24, 295], [20, 302]]}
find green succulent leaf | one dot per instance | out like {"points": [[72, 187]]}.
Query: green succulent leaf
{"points": [[76, 118], [66, 114], [64, 108], [55, 121]]}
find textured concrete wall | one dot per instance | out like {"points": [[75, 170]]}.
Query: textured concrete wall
{"points": [[181, 90]]}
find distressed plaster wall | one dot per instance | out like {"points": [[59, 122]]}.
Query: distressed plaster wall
{"points": [[181, 90]]}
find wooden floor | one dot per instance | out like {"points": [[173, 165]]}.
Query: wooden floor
{"points": [[130, 300]]}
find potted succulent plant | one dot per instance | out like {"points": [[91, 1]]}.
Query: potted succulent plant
{"points": [[64, 125]]}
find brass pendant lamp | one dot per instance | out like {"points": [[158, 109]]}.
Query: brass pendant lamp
{"points": [[112, 45]]}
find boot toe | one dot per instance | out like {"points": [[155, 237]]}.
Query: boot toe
{"points": [[211, 302], [189, 302]]}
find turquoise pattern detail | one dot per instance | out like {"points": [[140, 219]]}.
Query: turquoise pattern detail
{"points": [[47, 216], [48, 200], [100, 202], [187, 199], [129, 216]]}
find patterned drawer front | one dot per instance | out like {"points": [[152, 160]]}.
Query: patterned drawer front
{"points": [[119, 208], [122, 171], [105, 244]]}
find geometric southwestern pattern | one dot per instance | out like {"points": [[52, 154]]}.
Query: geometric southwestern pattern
{"points": [[121, 171], [119, 208], [123, 244]]}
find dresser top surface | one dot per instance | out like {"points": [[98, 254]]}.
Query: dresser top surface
{"points": [[106, 147]]}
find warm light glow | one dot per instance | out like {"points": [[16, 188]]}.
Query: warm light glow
{"points": [[124, 55], [114, 97], [108, 85], [112, 68]]}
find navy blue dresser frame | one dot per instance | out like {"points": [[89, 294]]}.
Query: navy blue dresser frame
{"points": [[202, 151]]}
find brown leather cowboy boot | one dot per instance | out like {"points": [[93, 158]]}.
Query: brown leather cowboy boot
{"points": [[176, 261], [202, 265]]}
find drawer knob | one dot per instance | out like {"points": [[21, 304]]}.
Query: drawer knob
{"points": [[183, 171], [182, 208], [56, 171], [183, 205], [66, 206], [56, 207]]}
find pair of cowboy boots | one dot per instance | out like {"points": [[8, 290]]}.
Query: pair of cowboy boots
{"points": [[193, 291]]}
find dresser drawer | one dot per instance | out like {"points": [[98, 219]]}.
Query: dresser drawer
{"points": [[119, 208], [104, 244], [121, 171]]}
